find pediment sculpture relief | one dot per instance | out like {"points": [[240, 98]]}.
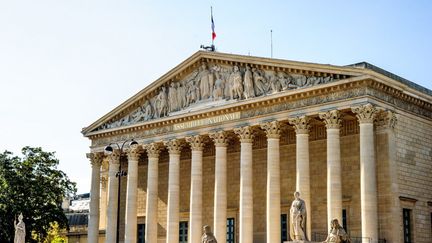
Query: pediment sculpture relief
{"points": [[215, 85]]}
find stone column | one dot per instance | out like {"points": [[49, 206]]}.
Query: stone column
{"points": [[131, 194], [333, 120], [173, 215], [220, 193], [151, 223], [388, 189], [93, 224], [195, 220], [272, 130], [103, 202], [368, 186], [246, 184], [111, 229], [301, 126]]}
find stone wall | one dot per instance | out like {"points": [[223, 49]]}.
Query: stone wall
{"points": [[414, 160]]}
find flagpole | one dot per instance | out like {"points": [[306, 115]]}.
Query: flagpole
{"points": [[211, 13]]}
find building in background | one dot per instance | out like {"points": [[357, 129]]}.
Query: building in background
{"points": [[224, 140], [77, 213]]}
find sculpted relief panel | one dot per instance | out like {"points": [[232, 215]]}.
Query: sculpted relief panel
{"points": [[212, 85]]}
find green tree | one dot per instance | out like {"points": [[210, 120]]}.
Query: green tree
{"points": [[34, 186]]}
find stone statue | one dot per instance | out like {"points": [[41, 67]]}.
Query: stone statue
{"points": [[20, 231], [337, 233], [204, 82], [208, 236], [298, 219], [249, 91], [161, 103], [218, 91], [259, 82], [148, 111], [181, 95], [275, 84], [300, 80], [236, 83], [291, 84], [172, 98], [137, 116]]}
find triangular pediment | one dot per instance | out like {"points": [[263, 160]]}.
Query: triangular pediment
{"points": [[211, 79]]}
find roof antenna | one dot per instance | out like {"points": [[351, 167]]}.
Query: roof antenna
{"points": [[212, 47], [271, 43]]}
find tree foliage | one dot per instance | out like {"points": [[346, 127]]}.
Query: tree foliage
{"points": [[32, 185]]}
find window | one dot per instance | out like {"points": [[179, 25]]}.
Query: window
{"points": [[141, 233], [183, 234], [284, 228], [407, 225], [230, 230], [344, 220]]}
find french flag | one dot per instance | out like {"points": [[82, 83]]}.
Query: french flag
{"points": [[213, 27]]}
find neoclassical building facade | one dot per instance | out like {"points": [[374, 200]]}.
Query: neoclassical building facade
{"points": [[225, 140]]}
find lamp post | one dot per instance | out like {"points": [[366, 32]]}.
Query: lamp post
{"points": [[109, 149]]}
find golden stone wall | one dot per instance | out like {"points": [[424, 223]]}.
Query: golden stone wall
{"points": [[414, 164]]}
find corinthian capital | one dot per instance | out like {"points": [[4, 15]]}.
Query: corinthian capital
{"points": [[301, 124], [174, 146], [96, 158], [133, 152], [272, 129], [365, 113], [114, 157], [386, 119], [332, 119], [245, 134], [220, 138], [196, 142], [153, 150]]}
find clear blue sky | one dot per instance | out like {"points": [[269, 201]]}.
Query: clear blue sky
{"points": [[64, 64]]}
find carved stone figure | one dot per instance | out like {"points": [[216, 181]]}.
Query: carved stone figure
{"points": [[337, 233], [249, 91], [298, 218], [161, 103], [208, 236], [275, 84], [181, 95], [218, 91], [138, 115], [290, 83], [204, 82], [259, 82], [20, 231], [172, 98], [192, 93], [148, 111], [300, 80], [236, 83], [283, 80]]}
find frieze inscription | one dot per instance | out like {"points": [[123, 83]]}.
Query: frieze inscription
{"points": [[207, 121]]}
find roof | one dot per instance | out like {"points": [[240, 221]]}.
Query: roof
{"points": [[386, 73]]}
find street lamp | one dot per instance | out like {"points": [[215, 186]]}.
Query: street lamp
{"points": [[109, 149]]}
